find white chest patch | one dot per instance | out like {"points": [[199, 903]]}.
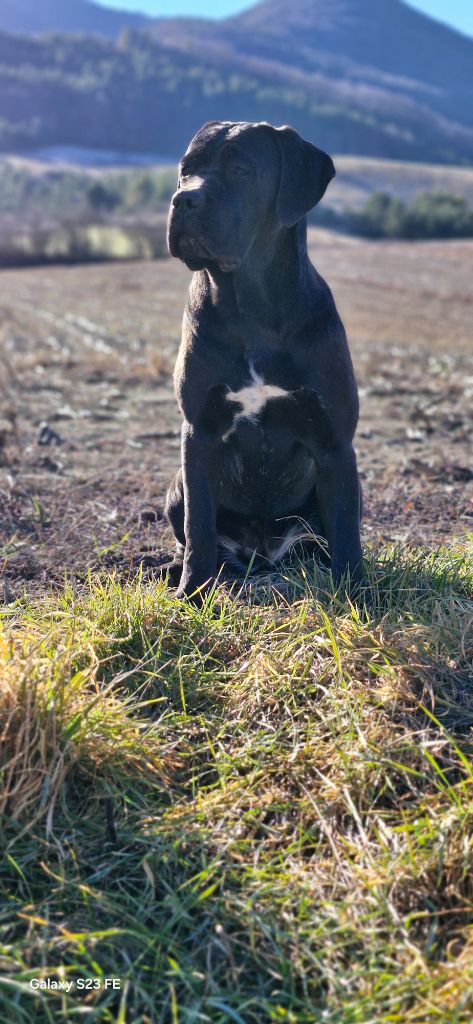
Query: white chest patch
{"points": [[253, 398]]}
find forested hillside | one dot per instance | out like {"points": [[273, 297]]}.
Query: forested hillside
{"points": [[381, 81]]}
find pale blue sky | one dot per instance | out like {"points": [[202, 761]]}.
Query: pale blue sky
{"points": [[458, 13]]}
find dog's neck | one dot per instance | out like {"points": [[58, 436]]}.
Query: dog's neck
{"points": [[271, 281]]}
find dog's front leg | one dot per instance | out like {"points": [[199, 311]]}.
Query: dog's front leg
{"points": [[338, 494], [200, 558]]}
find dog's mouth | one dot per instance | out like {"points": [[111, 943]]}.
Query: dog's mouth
{"points": [[192, 248], [196, 255], [228, 264], [192, 252]]}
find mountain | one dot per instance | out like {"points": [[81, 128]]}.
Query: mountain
{"points": [[32, 16], [387, 43], [382, 59], [356, 77]]}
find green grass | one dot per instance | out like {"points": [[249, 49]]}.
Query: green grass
{"points": [[257, 811]]}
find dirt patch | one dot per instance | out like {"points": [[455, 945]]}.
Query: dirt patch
{"points": [[89, 428]]}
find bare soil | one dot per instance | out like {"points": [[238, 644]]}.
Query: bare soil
{"points": [[89, 427]]}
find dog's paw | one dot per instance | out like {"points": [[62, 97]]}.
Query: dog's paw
{"points": [[149, 561], [172, 571], [161, 566], [197, 598], [351, 581], [195, 595], [193, 589]]}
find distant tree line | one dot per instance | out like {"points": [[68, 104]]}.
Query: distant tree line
{"points": [[77, 217], [430, 215], [132, 191], [71, 216], [56, 194]]}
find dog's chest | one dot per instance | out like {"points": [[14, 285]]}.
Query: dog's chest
{"points": [[254, 395], [249, 400], [264, 466]]}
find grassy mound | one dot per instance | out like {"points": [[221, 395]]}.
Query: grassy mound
{"points": [[261, 812]]}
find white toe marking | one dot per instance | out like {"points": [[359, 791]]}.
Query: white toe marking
{"points": [[295, 532]]}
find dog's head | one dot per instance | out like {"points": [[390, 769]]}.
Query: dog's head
{"points": [[237, 183]]}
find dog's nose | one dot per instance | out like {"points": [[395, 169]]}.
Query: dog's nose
{"points": [[190, 199]]}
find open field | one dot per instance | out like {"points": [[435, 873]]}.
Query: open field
{"points": [[261, 811], [89, 352]]}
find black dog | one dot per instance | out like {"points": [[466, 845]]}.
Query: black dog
{"points": [[264, 377]]}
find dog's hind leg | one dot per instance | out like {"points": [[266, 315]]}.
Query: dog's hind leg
{"points": [[174, 509], [174, 512]]}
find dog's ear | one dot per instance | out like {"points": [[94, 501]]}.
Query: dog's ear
{"points": [[305, 173]]}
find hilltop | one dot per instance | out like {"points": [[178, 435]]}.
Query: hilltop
{"points": [[66, 16]]}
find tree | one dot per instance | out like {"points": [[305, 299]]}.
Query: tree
{"points": [[141, 191], [99, 197]]}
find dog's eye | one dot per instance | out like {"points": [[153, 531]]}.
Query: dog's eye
{"points": [[239, 171]]}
